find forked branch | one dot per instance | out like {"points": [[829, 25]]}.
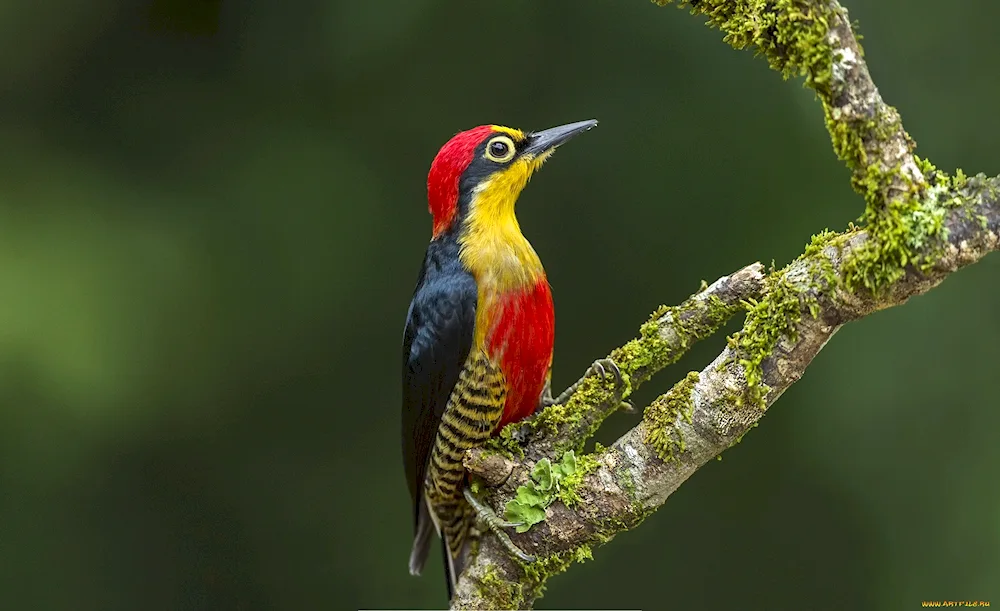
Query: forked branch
{"points": [[920, 226]]}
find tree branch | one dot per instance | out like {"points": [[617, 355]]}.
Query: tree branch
{"points": [[663, 340], [921, 226]]}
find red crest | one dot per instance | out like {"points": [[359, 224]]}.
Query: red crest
{"points": [[446, 170]]}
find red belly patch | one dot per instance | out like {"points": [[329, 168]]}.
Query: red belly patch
{"points": [[521, 339]]}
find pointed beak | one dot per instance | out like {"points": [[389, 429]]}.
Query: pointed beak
{"points": [[545, 141]]}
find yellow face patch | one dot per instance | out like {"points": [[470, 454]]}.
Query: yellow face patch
{"points": [[516, 137], [492, 245], [516, 134]]}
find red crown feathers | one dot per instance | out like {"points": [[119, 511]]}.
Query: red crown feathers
{"points": [[446, 170]]}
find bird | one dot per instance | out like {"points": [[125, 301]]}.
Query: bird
{"points": [[479, 333]]}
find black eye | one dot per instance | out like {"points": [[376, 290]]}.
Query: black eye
{"points": [[498, 148]]}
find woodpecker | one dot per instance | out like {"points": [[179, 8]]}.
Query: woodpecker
{"points": [[477, 345]]}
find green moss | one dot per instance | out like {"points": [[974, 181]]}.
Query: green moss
{"points": [[819, 243], [902, 231], [503, 594], [661, 417], [628, 483], [776, 315], [506, 444], [926, 167], [475, 484], [790, 33], [906, 229], [815, 254], [873, 133], [592, 391], [539, 571], [640, 358], [848, 138], [959, 180], [608, 528]]}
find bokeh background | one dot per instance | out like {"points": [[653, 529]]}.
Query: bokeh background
{"points": [[212, 215]]}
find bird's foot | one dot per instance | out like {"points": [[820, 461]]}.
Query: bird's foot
{"points": [[496, 525], [602, 368]]}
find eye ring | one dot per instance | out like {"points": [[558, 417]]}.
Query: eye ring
{"points": [[500, 149]]}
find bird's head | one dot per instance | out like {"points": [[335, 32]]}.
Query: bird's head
{"points": [[485, 168]]}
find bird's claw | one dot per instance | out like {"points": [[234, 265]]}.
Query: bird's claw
{"points": [[601, 367], [517, 551], [496, 525], [598, 368]]}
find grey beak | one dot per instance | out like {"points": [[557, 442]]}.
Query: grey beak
{"points": [[545, 140]]}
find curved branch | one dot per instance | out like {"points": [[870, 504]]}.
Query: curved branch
{"points": [[814, 39], [922, 225]]}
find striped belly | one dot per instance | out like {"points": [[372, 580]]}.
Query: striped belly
{"points": [[473, 411]]}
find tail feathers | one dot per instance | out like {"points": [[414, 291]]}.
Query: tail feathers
{"points": [[427, 525], [421, 540], [454, 565]]}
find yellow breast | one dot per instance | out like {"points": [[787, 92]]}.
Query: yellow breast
{"points": [[492, 246]]}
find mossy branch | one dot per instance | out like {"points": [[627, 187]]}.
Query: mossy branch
{"points": [[663, 339], [814, 39], [921, 225]]}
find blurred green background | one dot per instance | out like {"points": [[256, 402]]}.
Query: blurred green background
{"points": [[211, 220]]}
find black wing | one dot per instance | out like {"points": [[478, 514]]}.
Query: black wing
{"points": [[436, 342]]}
